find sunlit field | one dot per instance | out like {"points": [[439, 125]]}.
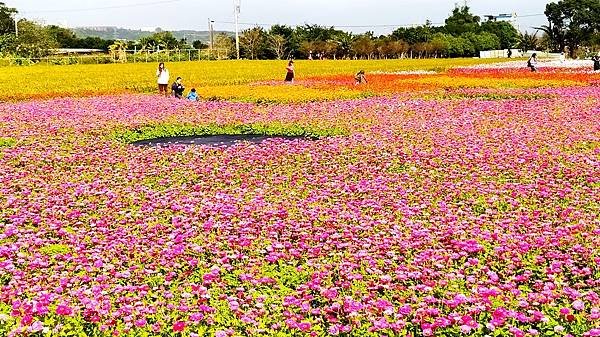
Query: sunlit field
{"points": [[47, 81]]}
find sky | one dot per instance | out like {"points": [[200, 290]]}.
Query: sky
{"points": [[351, 15]]}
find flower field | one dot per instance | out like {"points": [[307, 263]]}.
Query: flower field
{"points": [[44, 82], [458, 203]]}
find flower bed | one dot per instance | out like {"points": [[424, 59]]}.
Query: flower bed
{"points": [[441, 215]]}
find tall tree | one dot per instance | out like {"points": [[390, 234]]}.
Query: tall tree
{"points": [[292, 42], [252, 40], [573, 22], [528, 42], [462, 21], [278, 45], [63, 36], [7, 23], [506, 33], [225, 45], [363, 46], [34, 40]]}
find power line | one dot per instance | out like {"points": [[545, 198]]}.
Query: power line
{"points": [[102, 8], [335, 26], [530, 15]]}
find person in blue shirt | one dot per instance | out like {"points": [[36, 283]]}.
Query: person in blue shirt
{"points": [[193, 96]]}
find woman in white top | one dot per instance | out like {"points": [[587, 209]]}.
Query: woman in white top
{"points": [[163, 79]]}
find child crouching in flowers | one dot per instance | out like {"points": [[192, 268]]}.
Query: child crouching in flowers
{"points": [[193, 96]]}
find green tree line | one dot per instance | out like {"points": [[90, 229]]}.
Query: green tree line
{"points": [[573, 25]]}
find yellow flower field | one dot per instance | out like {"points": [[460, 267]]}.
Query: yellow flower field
{"points": [[43, 81]]}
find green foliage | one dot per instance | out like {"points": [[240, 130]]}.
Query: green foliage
{"points": [[55, 249], [161, 40], [184, 130], [572, 22], [507, 35], [33, 41], [7, 24], [254, 42], [528, 42], [482, 41], [7, 142], [462, 21]]}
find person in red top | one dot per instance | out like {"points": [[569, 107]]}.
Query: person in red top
{"points": [[289, 77]]}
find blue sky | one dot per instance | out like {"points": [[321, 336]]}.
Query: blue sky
{"points": [[193, 14]]}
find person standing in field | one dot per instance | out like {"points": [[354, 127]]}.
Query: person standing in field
{"points": [[532, 62], [291, 73], [163, 79]]}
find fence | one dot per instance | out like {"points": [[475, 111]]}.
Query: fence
{"points": [[124, 56], [515, 53]]}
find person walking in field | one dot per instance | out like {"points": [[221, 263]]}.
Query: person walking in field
{"points": [[163, 79], [532, 62], [291, 73], [360, 77], [178, 88]]}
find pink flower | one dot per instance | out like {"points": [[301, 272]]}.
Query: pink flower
{"points": [[304, 326], [63, 310], [578, 305], [564, 311], [179, 326]]}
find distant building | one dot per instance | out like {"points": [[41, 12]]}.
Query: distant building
{"points": [[99, 28], [79, 51]]}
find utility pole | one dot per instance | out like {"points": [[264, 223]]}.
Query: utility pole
{"points": [[237, 5], [210, 37], [16, 18], [212, 34]]}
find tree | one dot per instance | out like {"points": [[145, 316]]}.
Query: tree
{"points": [[462, 21], [166, 40], [33, 41], [291, 39], [94, 43], [482, 41], [252, 40], [343, 42], [199, 45], [7, 23], [278, 45], [363, 46], [528, 42], [118, 51], [414, 35], [63, 36], [573, 22], [225, 45], [506, 33]]}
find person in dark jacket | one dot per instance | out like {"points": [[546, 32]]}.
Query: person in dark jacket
{"points": [[532, 62], [178, 88], [596, 60]]}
